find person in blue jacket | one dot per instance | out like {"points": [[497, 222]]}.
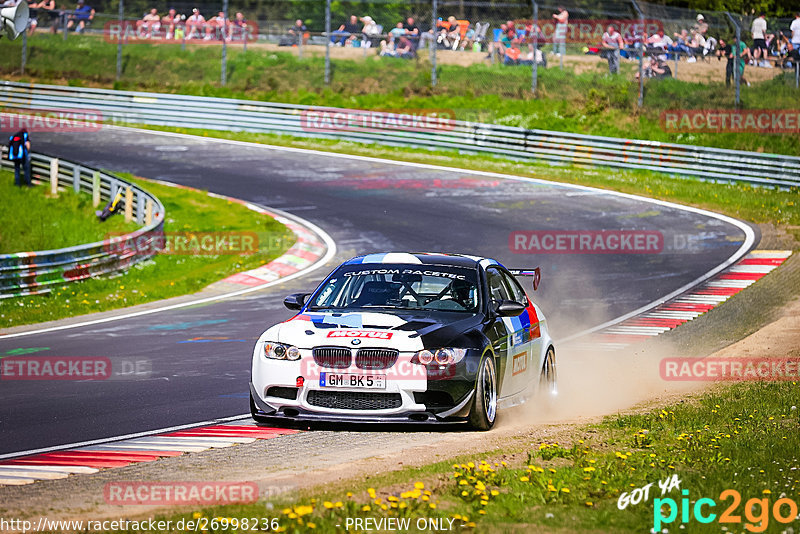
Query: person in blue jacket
{"points": [[19, 151]]}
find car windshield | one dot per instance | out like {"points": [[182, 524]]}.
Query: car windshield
{"points": [[413, 287]]}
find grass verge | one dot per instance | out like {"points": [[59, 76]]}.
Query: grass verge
{"points": [[165, 275], [742, 438], [588, 102], [31, 219]]}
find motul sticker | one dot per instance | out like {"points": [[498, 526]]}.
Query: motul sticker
{"points": [[369, 334], [519, 363]]}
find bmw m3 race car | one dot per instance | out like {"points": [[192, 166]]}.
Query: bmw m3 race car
{"points": [[402, 337]]}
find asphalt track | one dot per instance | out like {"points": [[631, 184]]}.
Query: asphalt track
{"points": [[365, 206]]}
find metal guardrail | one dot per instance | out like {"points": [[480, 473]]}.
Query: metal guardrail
{"points": [[557, 148], [29, 273]]}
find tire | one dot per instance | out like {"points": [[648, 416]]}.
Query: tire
{"points": [[484, 404], [548, 379], [254, 411]]}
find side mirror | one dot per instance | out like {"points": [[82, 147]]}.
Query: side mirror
{"points": [[295, 301], [509, 308]]}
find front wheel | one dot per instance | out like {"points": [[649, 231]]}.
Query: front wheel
{"points": [[484, 404]]}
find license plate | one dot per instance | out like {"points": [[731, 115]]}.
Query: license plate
{"points": [[345, 380]]}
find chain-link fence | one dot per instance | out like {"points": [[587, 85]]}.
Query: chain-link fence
{"points": [[617, 55]]}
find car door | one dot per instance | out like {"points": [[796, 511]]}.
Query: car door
{"points": [[500, 331], [526, 338]]}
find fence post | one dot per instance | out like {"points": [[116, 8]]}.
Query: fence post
{"points": [[64, 18], [128, 204], [119, 43], [641, 53], [148, 212], [796, 75], [96, 189], [139, 206], [300, 46], [433, 44], [24, 51], [535, 73], [327, 42], [76, 178], [737, 75], [224, 68], [54, 177]]}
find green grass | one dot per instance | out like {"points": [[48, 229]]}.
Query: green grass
{"points": [[31, 219], [754, 204], [166, 275], [591, 102], [745, 437]]}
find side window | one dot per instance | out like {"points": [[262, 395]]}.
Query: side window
{"points": [[497, 287], [518, 294]]}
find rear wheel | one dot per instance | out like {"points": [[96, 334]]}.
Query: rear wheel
{"points": [[484, 404], [548, 379]]}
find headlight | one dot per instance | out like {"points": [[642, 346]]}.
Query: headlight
{"points": [[279, 351], [443, 356]]}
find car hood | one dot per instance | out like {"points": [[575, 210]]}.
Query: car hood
{"points": [[402, 330]]}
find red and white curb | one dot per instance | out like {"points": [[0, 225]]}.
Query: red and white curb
{"points": [[85, 460], [665, 317]]}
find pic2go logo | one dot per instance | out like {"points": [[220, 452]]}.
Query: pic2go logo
{"points": [[757, 512]]}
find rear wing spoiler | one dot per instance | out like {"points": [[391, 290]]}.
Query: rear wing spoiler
{"points": [[535, 273]]}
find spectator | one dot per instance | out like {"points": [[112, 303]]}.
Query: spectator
{"points": [[680, 44], [701, 26], [294, 34], [345, 32], [659, 42], [795, 27], [728, 51], [195, 24], [150, 23], [469, 38], [560, 35], [404, 48], [657, 69], [759, 32], [19, 151], [370, 31], [398, 31], [388, 45], [217, 27], [239, 28], [611, 45], [40, 9], [792, 58], [450, 32], [82, 16], [696, 45], [170, 21], [411, 27]]}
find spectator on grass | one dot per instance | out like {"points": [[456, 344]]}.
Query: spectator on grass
{"points": [[370, 31], [728, 51], [346, 31], [404, 48], [560, 36], [469, 38], [83, 15], [449, 33], [195, 24], [217, 27], [240, 29], [150, 23], [398, 31], [294, 34], [388, 45], [170, 21], [611, 44], [656, 69], [795, 28], [696, 46], [701, 26], [680, 44], [659, 42], [792, 57], [40, 9], [411, 28], [759, 32]]}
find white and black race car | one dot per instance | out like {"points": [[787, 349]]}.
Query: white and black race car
{"points": [[402, 337]]}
